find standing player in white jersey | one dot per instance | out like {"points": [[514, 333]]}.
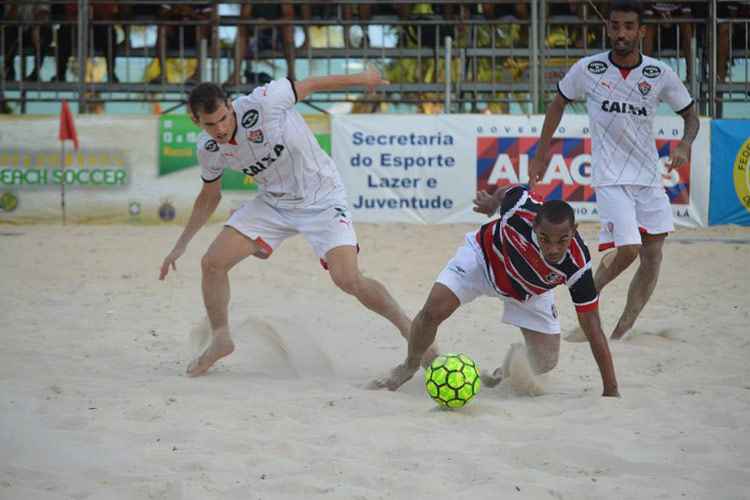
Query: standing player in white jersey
{"points": [[300, 191], [623, 89]]}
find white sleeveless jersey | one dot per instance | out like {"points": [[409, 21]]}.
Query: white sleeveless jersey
{"points": [[274, 145], [621, 105]]}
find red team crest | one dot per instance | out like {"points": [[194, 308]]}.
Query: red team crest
{"points": [[644, 88], [255, 136]]}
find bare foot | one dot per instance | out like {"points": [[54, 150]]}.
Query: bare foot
{"points": [[491, 380], [430, 354], [220, 346], [620, 330]]}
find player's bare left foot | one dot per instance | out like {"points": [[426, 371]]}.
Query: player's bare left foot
{"points": [[491, 380], [221, 346]]}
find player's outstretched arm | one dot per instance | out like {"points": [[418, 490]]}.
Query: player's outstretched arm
{"points": [[680, 155], [592, 327], [538, 164], [205, 205], [370, 78]]}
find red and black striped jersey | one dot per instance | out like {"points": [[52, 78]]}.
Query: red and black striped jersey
{"points": [[514, 261]]}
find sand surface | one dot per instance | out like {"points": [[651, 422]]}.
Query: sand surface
{"points": [[94, 403]]}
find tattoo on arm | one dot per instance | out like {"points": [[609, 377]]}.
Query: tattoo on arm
{"points": [[692, 124]]}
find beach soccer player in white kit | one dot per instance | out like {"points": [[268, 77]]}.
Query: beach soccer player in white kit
{"points": [[623, 89], [300, 192]]}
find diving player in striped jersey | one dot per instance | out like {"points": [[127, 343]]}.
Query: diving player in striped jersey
{"points": [[519, 258]]}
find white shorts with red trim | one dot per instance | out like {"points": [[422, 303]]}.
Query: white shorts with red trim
{"points": [[324, 228], [627, 211], [466, 277]]}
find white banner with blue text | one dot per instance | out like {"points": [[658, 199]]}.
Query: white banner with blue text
{"points": [[428, 168]]}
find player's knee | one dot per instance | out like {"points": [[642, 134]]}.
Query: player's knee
{"points": [[651, 257], [347, 281], [549, 362], [432, 315], [628, 253], [210, 264], [543, 361]]}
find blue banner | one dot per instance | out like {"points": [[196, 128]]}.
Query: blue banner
{"points": [[730, 172]]}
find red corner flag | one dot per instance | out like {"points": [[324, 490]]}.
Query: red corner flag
{"points": [[67, 127]]}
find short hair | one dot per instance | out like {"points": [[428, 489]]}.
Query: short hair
{"points": [[627, 6], [206, 97], [556, 212]]}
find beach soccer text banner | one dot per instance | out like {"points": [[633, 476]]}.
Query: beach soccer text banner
{"points": [[420, 168]]}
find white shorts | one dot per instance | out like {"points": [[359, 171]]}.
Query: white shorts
{"points": [[324, 228], [627, 211], [466, 277]]}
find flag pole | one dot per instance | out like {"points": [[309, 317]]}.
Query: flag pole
{"points": [[62, 180]]}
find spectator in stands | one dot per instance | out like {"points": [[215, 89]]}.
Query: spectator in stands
{"points": [[17, 38], [568, 30], [493, 11], [432, 35], [665, 14], [171, 38], [104, 36], [264, 38], [729, 32], [509, 13], [364, 13]]}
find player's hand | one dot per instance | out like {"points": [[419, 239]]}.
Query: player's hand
{"points": [[485, 203], [373, 78], [537, 168], [398, 377], [679, 156], [170, 260]]}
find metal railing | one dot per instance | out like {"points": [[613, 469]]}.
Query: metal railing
{"points": [[499, 64]]}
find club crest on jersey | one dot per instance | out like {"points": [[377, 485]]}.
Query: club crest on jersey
{"points": [[651, 71], [597, 67], [644, 88], [250, 118], [255, 136], [554, 277], [212, 146]]}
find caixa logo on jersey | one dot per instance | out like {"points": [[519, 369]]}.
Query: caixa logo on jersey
{"points": [[265, 162], [502, 161]]}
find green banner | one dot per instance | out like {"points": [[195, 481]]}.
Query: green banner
{"points": [[177, 138]]}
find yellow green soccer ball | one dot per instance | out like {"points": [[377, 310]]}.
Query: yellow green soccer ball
{"points": [[452, 380]]}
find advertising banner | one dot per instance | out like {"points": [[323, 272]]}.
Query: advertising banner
{"points": [[127, 169], [730, 172], [420, 168]]}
